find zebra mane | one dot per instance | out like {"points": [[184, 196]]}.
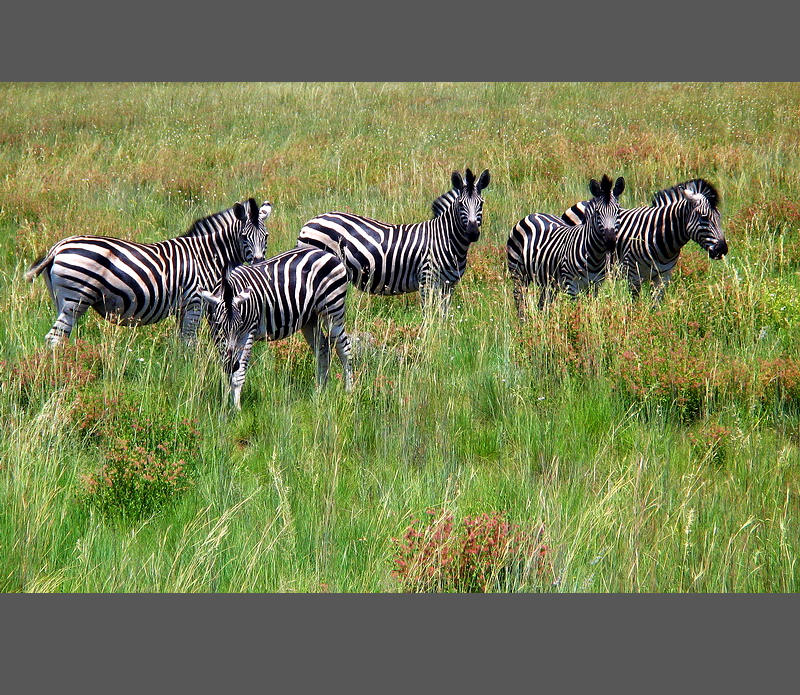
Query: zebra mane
{"points": [[675, 193], [204, 225], [444, 201], [469, 181], [605, 186], [227, 289]]}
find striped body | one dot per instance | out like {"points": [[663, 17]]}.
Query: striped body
{"points": [[390, 259], [301, 289], [650, 239], [137, 284], [543, 249]]}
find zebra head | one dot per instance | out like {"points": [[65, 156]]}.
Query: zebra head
{"points": [[469, 203], [602, 212], [704, 224], [253, 233], [229, 329]]}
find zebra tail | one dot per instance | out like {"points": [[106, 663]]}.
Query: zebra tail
{"points": [[39, 265]]}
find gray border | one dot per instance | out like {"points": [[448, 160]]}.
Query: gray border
{"points": [[489, 41], [647, 642], [409, 643]]}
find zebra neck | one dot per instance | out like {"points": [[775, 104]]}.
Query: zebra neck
{"points": [[451, 233], [593, 245], [673, 227], [215, 250]]}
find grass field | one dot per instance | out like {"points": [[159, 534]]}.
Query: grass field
{"points": [[630, 449]]}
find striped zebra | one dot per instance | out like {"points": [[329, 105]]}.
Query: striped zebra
{"points": [[392, 259], [650, 239], [300, 289], [138, 284], [543, 249]]}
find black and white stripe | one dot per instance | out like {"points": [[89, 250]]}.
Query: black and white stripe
{"points": [[301, 289], [386, 258], [444, 201], [650, 239], [544, 249], [136, 283]]}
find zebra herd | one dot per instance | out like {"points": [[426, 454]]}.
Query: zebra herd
{"points": [[220, 263]]}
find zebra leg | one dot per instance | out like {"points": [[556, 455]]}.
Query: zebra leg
{"points": [[447, 294], [659, 286], [69, 313], [342, 343], [634, 279], [520, 298], [189, 321], [237, 377], [429, 293], [547, 296], [320, 346]]}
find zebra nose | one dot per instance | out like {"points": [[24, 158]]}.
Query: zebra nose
{"points": [[718, 250]]}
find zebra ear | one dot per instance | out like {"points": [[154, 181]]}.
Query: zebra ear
{"points": [[457, 181], [483, 181], [253, 205], [265, 211], [209, 298], [239, 212], [619, 186], [239, 298], [695, 198], [594, 188]]}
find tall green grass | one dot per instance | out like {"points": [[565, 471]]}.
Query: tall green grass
{"points": [[688, 484]]}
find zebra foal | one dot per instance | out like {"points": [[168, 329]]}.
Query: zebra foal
{"points": [[555, 255], [136, 284], [301, 289], [650, 239], [389, 259]]}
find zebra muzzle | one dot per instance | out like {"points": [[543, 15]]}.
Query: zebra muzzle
{"points": [[718, 250]]}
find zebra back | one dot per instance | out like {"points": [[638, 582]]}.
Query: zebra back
{"points": [[278, 296]]}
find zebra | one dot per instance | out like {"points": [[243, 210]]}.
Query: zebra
{"points": [[544, 249], [650, 239], [137, 284], [390, 259], [299, 289]]}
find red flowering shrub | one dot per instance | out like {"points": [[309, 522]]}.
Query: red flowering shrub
{"points": [[135, 480], [72, 364], [671, 374], [148, 459], [780, 380], [711, 442], [475, 556]]}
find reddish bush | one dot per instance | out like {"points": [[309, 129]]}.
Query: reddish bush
{"points": [[71, 364], [711, 442], [148, 458], [473, 557], [136, 480], [780, 379]]}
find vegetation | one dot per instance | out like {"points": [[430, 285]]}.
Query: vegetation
{"points": [[602, 446]]}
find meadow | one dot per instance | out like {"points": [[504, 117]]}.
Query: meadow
{"points": [[603, 446]]}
